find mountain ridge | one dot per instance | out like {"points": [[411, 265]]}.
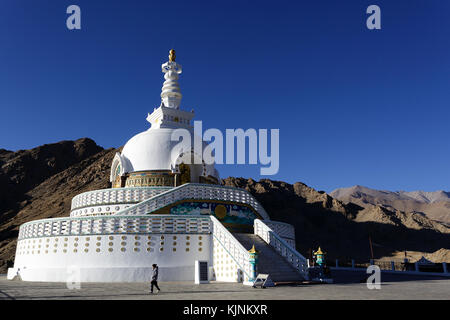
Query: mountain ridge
{"points": [[435, 205]]}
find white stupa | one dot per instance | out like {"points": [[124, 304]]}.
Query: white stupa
{"points": [[161, 209], [148, 156]]}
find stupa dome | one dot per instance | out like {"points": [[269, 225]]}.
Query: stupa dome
{"points": [[151, 150]]}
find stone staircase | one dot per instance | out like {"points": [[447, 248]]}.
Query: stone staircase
{"points": [[270, 261]]}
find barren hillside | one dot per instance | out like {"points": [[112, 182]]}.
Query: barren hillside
{"points": [[435, 205]]}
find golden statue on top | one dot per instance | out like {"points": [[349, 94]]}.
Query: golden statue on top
{"points": [[172, 55]]}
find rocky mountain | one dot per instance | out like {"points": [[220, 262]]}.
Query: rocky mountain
{"points": [[434, 205], [40, 183], [23, 170], [343, 229]]}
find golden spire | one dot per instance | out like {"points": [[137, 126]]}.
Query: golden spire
{"points": [[319, 251], [253, 250], [172, 55]]}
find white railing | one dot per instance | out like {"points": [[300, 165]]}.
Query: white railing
{"points": [[284, 230], [115, 225], [298, 261], [99, 210], [115, 196], [195, 191], [234, 248]]}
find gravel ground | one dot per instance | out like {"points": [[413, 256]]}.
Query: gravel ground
{"points": [[347, 286]]}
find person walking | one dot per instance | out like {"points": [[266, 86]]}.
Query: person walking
{"points": [[154, 281]]}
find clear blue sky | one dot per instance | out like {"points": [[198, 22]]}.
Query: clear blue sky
{"points": [[353, 106]]}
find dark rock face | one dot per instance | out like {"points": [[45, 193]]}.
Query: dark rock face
{"points": [[343, 229], [23, 170], [39, 183]]}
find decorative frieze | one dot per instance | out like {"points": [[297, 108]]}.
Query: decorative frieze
{"points": [[150, 179]]}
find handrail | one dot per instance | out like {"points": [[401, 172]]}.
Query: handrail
{"points": [[130, 210], [282, 229], [84, 199], [115, 225], [290, 254], [194, 191], [218, 225], [223, 236], [124, 188]]}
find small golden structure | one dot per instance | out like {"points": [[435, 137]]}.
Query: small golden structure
{"points": [[253, 250], [172, 55], [319, 251]]}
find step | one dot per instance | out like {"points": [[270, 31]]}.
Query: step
{"points": [[270, 261]]}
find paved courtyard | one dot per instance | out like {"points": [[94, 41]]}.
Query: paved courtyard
{"points": [[347, 286]]}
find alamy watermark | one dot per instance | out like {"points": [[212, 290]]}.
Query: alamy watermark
{"points": [[208, 147], [374, 280], [73, 21], [374, 20]]}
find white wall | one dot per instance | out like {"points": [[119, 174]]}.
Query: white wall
{"points": [[225, 267], [125, 257]]}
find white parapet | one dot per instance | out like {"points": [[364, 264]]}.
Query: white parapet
{"points": [[195, 191], [102, 225], [122, 249], [110, 201], [231, 260], [108, 249], [284, 230], [289, 253]]}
